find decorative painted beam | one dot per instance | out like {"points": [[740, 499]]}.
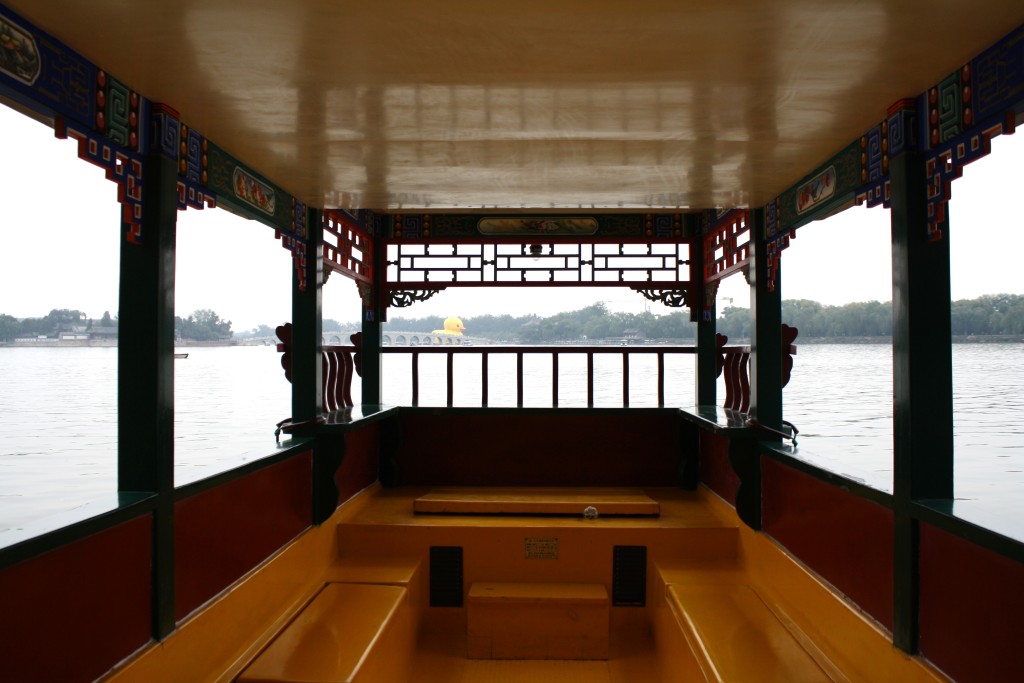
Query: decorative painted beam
{"points": [[116, 128], [188, 148], [460, 228], [121, 166]]}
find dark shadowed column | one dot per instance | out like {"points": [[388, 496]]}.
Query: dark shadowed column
{"points": [[145, 367], [922, 379]]}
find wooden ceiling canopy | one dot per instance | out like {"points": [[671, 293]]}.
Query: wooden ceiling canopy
{"points": [[456, 122], [455, 105]]}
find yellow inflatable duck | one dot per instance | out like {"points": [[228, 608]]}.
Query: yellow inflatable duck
{"points": [[452, 326]]}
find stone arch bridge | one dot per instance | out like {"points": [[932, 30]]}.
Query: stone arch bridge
{"points": [[403, 339]]}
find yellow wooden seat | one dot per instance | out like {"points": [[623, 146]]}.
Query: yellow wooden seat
{"points": [[536, 501], [349, 632], [736, 628], [537, 621], [391, 571], [735, 636]]}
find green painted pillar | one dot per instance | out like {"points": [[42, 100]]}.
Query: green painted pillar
{"points": [[922, 379], [374, 315], [707, 361], [307, 326], [766, 332], [145, 367]]}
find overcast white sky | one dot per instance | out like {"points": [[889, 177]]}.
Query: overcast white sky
{"points": [[61, 236]]}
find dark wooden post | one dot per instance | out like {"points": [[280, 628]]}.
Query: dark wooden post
{"points": [[307, 366], [766, 332], [706, 374], [373, 317], [922, 379], [307, 327], [145, 367], [707, 361]]}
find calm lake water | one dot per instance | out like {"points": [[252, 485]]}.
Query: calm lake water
{"points": [[58, 414]]}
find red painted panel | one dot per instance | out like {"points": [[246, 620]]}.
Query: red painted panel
{"points": [[715, 469], [360, 465], [73, 613], [222, 533], [846, 539], [524, 449], [972, 609]]}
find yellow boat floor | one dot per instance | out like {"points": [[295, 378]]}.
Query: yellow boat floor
{"points": [[495, 550], [713, 589], [441, 658]]}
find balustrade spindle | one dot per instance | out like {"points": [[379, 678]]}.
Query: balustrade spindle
{"points": [[483, 380], [625, 379], [519, 379], [744, 364], [327, 391], [590, 379], [661, 379], [451, 378], [415, 378], [554, 380]]}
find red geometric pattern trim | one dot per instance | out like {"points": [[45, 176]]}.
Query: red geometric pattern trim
{"points": [[348, 248], [727, 246], [121, 166], [298, 250], [946, 163]]}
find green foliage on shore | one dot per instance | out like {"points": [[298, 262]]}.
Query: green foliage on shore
{"points": [[595, 322], [51, 325], [815, 320], [990, 315], [202, 325]]}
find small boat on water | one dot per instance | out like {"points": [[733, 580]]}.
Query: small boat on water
{"points": [[415, 148], [181, 355]]}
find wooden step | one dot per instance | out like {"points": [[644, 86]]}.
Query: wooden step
{"points": [[537, 621], [536, 501], [350, 632]]}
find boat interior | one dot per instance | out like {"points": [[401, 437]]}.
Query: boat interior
{"points": [[448, 578], [414, 147]]}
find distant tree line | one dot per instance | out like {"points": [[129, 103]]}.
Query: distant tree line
{"points": [[1001, 314], [990, 315], [51, 325], [815, 320], [202, 325], [594, 322]]}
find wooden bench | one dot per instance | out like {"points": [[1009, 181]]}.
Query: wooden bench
{"points": [[350, 632], [737, 634], [733, 628], [716, 621], [537, 621], [401, 571], [536, 501]]}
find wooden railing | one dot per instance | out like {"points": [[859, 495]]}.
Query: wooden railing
{"points": [[555, 352], [735, 362], [341, 362]]}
